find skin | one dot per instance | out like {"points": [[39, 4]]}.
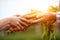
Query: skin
{"points": [[29, 20], [44, 17], [13, 23]]}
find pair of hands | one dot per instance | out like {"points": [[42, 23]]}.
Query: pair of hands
{"points": [[20, 23]]}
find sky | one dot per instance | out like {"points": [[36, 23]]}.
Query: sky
{"points": [[12, 7]]}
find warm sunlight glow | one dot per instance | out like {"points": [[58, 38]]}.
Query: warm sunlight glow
{"points": [[22, 7]]}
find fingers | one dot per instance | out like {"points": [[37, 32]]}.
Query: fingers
{"points": [[11, 30], [4, 27], [8, 31], [19, 21], [15, 29], [16, 24], [20, 26], [24, 19], [24, 23]]}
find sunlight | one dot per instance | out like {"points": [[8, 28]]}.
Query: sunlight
{"points": [[12, 7]]}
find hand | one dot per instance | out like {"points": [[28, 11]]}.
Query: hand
{"points": [[24, 23], [15, 23]]}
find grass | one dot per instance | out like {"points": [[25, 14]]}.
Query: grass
{"points": [[25, 35], [20, 36]]}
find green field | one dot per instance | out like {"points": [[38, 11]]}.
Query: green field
{"points": [[25, 35]]}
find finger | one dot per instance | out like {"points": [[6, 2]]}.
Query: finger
{"points": [[41, 20], [24, 19], [25, 28], [4, 27], [24, 23], [15, 29], [17, 26], [8, 31], [11, 29]]}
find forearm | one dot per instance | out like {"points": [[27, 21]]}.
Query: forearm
{"points": [[51, 18]]}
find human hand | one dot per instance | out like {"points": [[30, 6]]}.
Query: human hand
{"points": [[15, 23]]}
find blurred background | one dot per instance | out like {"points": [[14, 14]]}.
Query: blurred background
{"points": [[12, 7]]}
